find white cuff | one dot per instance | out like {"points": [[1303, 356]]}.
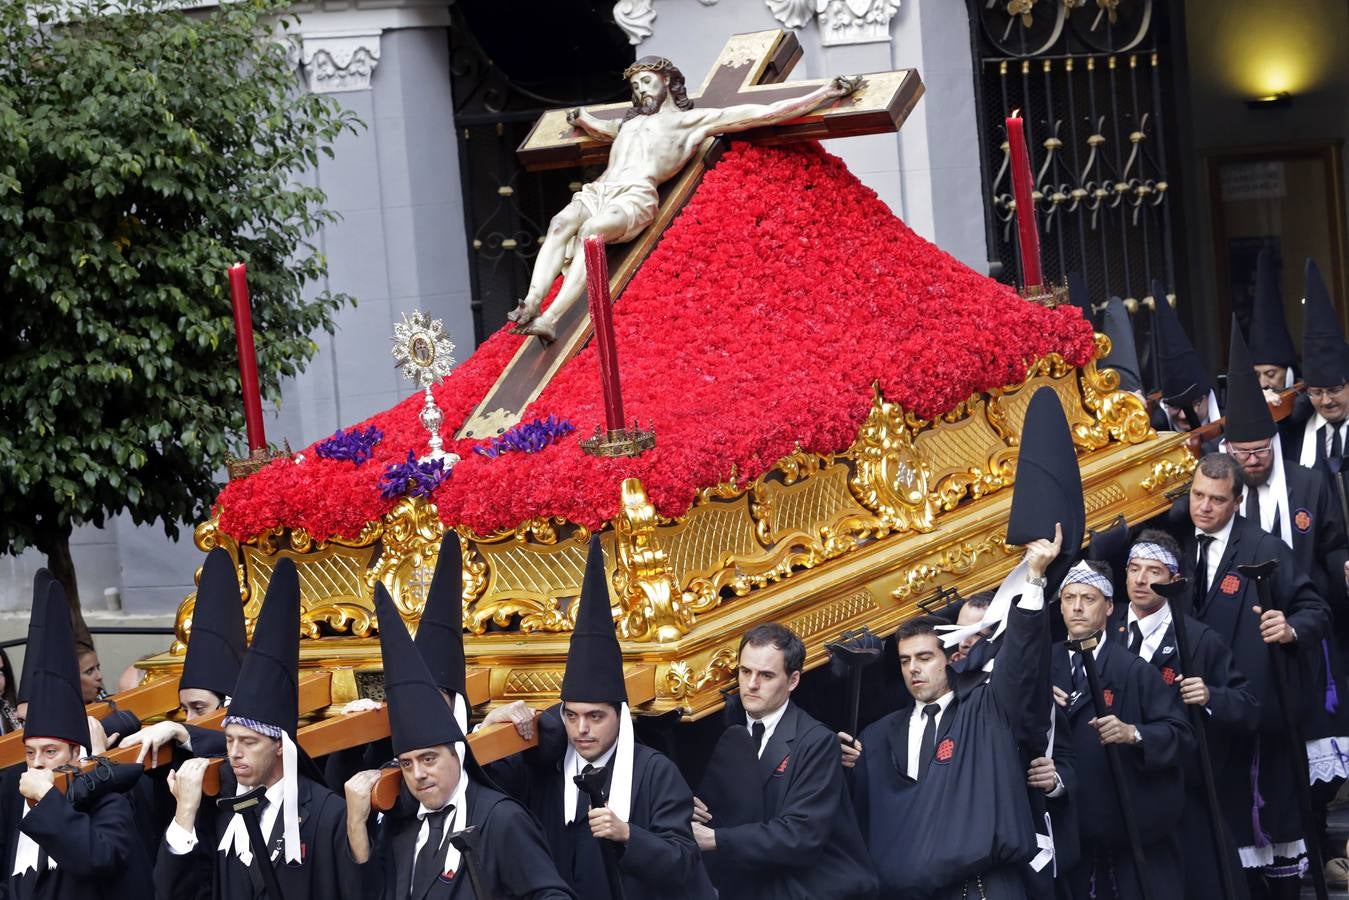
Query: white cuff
{"points": [[1059, 788], [1032, 598], [179, 839]]}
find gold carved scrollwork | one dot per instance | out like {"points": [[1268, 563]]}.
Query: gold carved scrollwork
{"points": [[891, 479], [955, 560], [1121, 414], [410, 543], [1168, 472], [651, 604], [682, 682]]}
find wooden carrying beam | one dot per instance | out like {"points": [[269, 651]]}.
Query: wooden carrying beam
{"points": [[156, 698], [315, 693]]}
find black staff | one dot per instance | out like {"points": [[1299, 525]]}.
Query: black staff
{"points": [[1126, 803], [854, 652], [466, 842], [1311, 828], [247, 805], [592, 784], [1175, 592]]}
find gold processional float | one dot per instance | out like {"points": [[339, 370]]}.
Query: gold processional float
{"points": [[824, 543]]}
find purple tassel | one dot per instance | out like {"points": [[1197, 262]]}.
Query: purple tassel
{"points": [[1332, 692], [1257, 801]]}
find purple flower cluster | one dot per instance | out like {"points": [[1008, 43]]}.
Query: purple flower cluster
{"points": [[356, 444], [527, 437], [412, 478]]}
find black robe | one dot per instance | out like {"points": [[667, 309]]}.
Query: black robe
{"points": [[96, 851], [512, 857], [326, 870], [919, 849], [809, 845], [1153, 775], [1232, 716], [1227, 609], [660, 859]]}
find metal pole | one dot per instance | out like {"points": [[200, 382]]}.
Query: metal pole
{"points": [[1261, 572]]}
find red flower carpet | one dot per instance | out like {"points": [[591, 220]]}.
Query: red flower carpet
{"points": [[783, 290]]}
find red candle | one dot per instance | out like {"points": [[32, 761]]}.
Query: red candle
{"points": [[248, 359], [1028, 236], [602, 317]]}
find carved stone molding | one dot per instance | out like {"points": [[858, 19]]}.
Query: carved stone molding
{"points": [[840, 21], [635, 18], [340, 61], [855, 21]]}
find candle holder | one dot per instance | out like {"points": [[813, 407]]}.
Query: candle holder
{"points": [[242, 467], [1050, 296], [617, 442], [425, 353]]}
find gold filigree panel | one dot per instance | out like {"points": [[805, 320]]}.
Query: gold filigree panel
{"points": [[522, 683], [1099, 498], [528, 580], [707, 540], [956, 560], [333, 589], [827, 619], [681, 679], [967, 457]]}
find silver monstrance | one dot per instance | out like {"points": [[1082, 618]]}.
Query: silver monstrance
{"points": [[424, 351]]}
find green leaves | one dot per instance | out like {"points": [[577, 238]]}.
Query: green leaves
{"points": [[142, 152]]}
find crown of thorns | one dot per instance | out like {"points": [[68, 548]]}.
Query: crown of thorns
{"points": [[657, 64]]}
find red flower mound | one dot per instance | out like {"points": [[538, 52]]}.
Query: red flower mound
{"points": [[783, 290]]}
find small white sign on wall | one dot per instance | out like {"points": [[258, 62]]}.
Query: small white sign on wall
{"points": [[1253, 181]]}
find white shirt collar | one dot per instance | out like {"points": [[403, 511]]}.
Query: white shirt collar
{"points": [[1220, 536], [943, 701], [575, 763], [1149, 624], [770, 723]]}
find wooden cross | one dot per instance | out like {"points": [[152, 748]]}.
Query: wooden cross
{"points": [[751, 68]]}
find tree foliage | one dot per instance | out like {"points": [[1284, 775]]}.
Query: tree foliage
{"points": [[142, 152]]}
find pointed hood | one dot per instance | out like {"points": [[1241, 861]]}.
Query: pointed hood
{"points": [[56, 700], [1184, 378], [440, 634], [1048, 486], [594, 661], [418, 715], [216, 646], [267, 689], [1270, 344], [1123, 358], [41, 580], [1325, 359], [1248, 417], [1078, 294]]}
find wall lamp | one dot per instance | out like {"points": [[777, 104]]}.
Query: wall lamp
{"points": [[1271, 101]]}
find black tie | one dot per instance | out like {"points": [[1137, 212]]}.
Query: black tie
{"points": [[1135, 638], [756, 731], [925, 752], [428, 863], [1079, 674], [1201, 570], [1336, 443], [1253, 507]]}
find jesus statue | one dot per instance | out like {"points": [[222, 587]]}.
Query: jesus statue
{"points": [[651, 143]]}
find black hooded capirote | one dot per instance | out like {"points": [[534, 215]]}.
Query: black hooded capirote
{"points": [[1325, 358], [1048, 486], [440, 632], [1078, 294], [418, 715], [1270, 343], [1248, 417], [40, 581], [1123, 356], [1185, 379], [267, 689], [594, 660], [56, 701], [217, 644]]}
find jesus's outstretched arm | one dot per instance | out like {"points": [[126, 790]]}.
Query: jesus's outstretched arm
{"points": [[753, 115]]}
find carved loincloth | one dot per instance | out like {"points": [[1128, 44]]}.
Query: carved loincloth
{"points": [[636, 203]]}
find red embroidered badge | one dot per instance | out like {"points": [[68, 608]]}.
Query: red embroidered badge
{"points": [[447, 877], [1230, 584], [1303, 520], [1168, 675], [1109, 697], [945, 749], [782, 766]]}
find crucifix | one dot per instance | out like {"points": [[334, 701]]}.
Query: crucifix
{"points": [[744, 92]]}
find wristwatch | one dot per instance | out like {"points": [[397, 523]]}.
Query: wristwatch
{"points": [[1138, 735], [1040, 581]]}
